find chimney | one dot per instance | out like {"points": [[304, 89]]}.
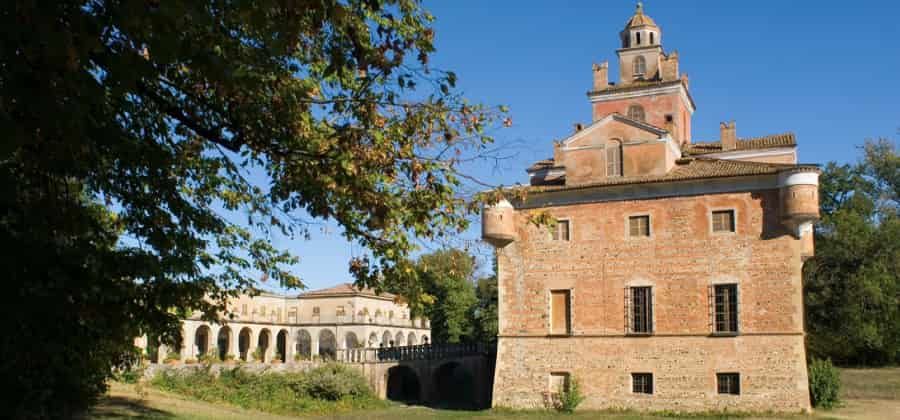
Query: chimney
{"points": [[557, 153], [685, 80], [728, 135], [578, 127], [601, 76]]}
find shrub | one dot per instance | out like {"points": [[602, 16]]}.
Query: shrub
{"points": [[570, 397], [335, 381], [211, 356], [172, 356], [824, 383], [130, 374], [257, 354]]}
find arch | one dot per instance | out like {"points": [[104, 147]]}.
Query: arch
{"points": [[424, 339], [652, 38], [350, 340], [640, 66], [386, 339], [244, 338], [223, 342], [263, 343], [303, 344], [614, 158], [399, 339], [281, 345], [403, 384], [373, 339], [411, 339], [453, 386], [201, 340], [636, 112], [327, 344]]}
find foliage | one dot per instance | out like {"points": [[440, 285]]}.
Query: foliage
{"points": [[130, 374], [277, 357], [824, 383], [570, 397], [320, 391], [172, 356], [486, 315], [211, 356], [852, 286], [257, 354], [154, 149], [444, 278]]}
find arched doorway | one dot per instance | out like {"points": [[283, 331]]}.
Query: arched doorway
{"points": [[244, 343], [350, 340], [424, 339], [454, 385], [403, 384], [386, 339], [223, 342], [201, 340], [399, 339], [327, 344], [281, 345], [262, 344], [373, 340], [304, 344], [411, 339]]}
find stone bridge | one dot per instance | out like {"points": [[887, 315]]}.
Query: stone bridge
{"points": [[446, 375]]}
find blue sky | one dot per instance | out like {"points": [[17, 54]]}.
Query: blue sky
{"points": [[829, 71]]}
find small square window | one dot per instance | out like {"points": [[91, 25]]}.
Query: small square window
{"points": [[729, 383], [561, 230], [559, 382], [670, 118], [315, 310], [639, 226], [642, 383], [723, 221], [340, 311]]}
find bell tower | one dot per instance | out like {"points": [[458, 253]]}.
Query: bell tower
{"points": [[639, 57]]}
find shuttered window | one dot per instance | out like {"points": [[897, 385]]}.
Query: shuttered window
{"points": [[728, 383], [641, 310], [614, 158], [560, 312], [639, 226], [723, 221], [561, 230], [726, 308]]}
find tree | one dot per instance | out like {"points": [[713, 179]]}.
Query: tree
{"points": [[446, 277], [153, 148], [852, 286], [486, 313]]}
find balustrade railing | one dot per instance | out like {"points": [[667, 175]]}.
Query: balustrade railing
{"points": [[416, 352]]}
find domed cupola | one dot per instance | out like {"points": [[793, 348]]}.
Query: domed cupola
{"points": [[640, 31]]}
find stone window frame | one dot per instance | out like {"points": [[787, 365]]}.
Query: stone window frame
{"points": [[639, 282], [650, 229], [735, 214], [615, 146], [728, 374], [712, 307], [555, 231], [639, 66], [571, 313]]}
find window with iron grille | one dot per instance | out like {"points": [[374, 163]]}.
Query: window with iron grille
{"points": [[729, 383], [642, 383], [561, 231], [641, 310], [723, 221], [639, 225], [726, 308]]}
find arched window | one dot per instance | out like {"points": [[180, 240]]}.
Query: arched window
{"points": [[640, 66], [614, 158], [636, 112], [651, 38]]}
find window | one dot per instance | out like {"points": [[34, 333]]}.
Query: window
{"points": [[561, 230], [642, 383], [669, 118], [244, 309], [639, 225], [316, 311], [723, 221], [729, 383], [560, 312], [614, 158], [641, 310], [636, 112], [726, 308], [640, 66], [559, 382], [637, 38], [340, 311], [651, 38]]}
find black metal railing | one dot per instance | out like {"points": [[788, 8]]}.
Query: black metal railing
{"points": [[434, 351]]}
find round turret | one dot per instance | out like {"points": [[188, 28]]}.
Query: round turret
{"points": [[799, 199], [498, 223]]}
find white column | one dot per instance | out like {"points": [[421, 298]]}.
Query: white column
{"points": [[187, 341], [254, 342], [314, 342], [213, 340], [289, 349]]}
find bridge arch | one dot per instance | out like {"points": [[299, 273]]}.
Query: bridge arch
{"points": [[403, 384], [453, 385]]}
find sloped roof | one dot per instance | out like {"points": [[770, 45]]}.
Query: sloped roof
{"points": [[346, 289], [687, 169], [765, 142], [639, 19]]}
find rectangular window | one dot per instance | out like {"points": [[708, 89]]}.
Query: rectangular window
{"points": [[726, 308], [561, 230], [642, 383], [729, 383], [340, 311], [560, 312], [315, 311], [641, 310], [559, 382], [639, 225], [723, 221], [244, 309]]}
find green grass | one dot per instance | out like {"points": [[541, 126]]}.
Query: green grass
{"points": [[867, 393]]}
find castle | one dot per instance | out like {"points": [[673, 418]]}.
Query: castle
{"points": [[658, 272]]}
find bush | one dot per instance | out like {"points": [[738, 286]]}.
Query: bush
{"points": [[335, 381], [824, 383], [570, 397], [172, 356], [257, 354]]}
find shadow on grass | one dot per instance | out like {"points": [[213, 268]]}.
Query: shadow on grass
{"points": [[114, 407]]}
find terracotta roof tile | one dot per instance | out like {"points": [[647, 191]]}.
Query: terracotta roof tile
{"points": [[765, 142], [635, 85], [345, 289]]}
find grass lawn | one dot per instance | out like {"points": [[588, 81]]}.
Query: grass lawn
{"points": [[867, 393]]}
